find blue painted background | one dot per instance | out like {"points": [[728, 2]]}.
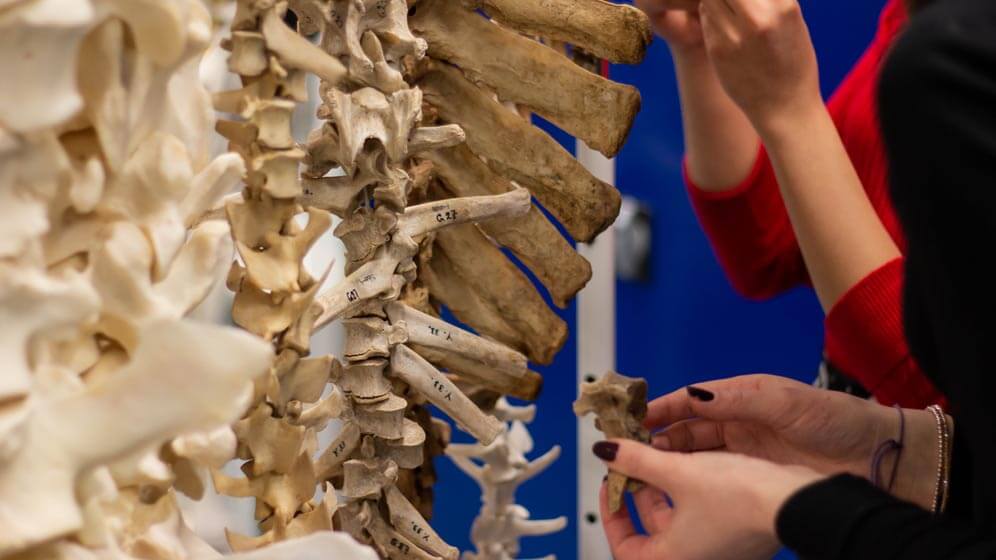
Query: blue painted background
{"points": [[686, 324]]}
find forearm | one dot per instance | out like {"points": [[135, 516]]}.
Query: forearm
{"points": [[839, 233], [720, 143]]}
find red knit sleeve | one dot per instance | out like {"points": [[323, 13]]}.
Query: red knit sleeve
{"points": [[750, 232], [865, 340]]}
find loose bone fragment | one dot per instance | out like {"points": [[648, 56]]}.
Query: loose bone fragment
{"points": [[523, 153], [620, 405], [532, 238], [521, 71], [616, 32]]}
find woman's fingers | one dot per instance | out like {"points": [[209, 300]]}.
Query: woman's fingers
{"points": [[660, 469], [672, 407], [624, 541], [652, 508], [748, 398], [691, 435]]}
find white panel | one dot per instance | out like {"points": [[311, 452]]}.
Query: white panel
{"points": [[596, 336]]}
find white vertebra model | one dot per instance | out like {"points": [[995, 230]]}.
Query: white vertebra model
{"points": [[115, 222], [501, 521]]}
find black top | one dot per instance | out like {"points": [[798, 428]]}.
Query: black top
{"points": [[937, 100]]}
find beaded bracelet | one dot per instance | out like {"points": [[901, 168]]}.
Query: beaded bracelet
{"points": [[943, 459]]}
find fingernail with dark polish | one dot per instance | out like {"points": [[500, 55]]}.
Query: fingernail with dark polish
{"points": [[699, 393], [605, 450]]}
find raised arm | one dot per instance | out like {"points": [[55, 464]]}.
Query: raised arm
{"points": [[730, 181], [765, 60]]}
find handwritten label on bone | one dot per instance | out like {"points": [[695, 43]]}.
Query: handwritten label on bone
{"points": [[418, 530], [447, 216], [396, 543], [440, 333], [339, 448], [442, 389]]}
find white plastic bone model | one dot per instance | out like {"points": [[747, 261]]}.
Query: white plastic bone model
{"points": [[501, 522]]}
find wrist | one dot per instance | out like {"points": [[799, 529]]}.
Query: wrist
{"points": [[916, 471], [784, 123], [693, 54], [773, 495]]}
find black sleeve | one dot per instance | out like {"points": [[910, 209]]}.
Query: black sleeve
{"points": [[846, 518]]}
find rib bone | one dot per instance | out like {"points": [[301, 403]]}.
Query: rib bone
{"points": [[426, 330], [523, 153], [440, 391], [588, 106], [532, 238], [504, 288], [616, 32]]}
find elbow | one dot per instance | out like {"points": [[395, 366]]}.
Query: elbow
{"points": [[758, 284]]}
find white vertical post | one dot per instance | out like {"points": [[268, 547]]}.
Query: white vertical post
{"points": [[596, 341]]}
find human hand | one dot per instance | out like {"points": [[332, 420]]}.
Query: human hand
{"points": [[790, 423], [675, 21], [764, 58], [725, 504]]}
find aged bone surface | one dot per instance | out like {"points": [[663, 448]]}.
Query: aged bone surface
{"points": [[523, 153], [616, 32], [532, 238], [588, 106], [503, 468], [620, 405], [116, 222]]}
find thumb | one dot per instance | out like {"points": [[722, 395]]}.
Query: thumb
{"points": [[661, 469]]}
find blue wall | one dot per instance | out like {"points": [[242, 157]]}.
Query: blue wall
{"points": [[685, 324]]}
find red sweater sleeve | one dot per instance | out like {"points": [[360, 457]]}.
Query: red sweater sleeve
{"points": [[753, 239], [750, 232], [865, 339]]}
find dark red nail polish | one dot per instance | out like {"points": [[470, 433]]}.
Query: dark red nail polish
{"points": [[699, 393], [605, 450]]}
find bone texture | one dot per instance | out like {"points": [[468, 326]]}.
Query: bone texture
{"points": [[499, 469], [354, 165], [615, 32], [586, 105], [620, 405], [112, 400], [117, 221]]}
